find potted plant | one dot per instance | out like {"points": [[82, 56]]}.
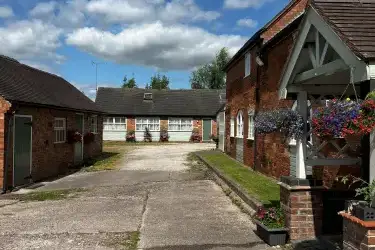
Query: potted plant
{"points": [[195, 136], [215, 138], [74, 136], [285, 121], [130, 136], [89, 137], [329, 121], [164, 137], [147, 136], [270, 226], [363, 209]]}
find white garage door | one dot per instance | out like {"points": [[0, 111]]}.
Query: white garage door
{"points": [[114, 128]]}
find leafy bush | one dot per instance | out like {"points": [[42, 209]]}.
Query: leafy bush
{"points": [[164, 137], [147, 135], [286, 121], [195, 136], [272, 217], [130, 136]]}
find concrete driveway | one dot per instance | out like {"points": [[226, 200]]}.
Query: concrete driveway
{"points": [[155, 197]]}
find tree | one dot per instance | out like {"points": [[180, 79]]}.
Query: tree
{"points": [[129, 84], [159, 82], [211, 75]]}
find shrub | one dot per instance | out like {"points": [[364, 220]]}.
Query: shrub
{"points": [[147, 136], [130, 136], [272, 217], [195, 136], [164, 137]]}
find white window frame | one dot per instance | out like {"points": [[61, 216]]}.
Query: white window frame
{"points": [[232, 127], [247, 64], [251, 129], [180, 124], [113, 123], [59, 129], [240, 125], [148, 123], [94, 124]]}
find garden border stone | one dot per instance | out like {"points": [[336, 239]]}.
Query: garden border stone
{"points": [[252, 202]]}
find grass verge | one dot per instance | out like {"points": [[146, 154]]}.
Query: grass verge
{"points": [[50, 195], [256, 185]]}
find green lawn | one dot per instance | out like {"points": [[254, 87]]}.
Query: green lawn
{"points": [[257, 185]]}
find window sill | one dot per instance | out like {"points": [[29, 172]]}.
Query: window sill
{"points": [[251, 139], [59, 142], [238, 137], [246, 76]]}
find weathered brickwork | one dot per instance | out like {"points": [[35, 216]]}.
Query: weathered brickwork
{"points": [[303, 210], [357, 236], [4, 106], [48, 158], [284, 19]]}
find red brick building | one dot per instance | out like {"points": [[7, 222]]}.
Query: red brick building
{"points": [[38, 112], [252, 88]]}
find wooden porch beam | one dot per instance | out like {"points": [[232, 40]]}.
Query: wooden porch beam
{"points": [[332, 89], [326, 69]]}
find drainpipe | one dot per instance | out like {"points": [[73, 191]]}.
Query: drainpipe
{"points": [[260, 63], [8, 121]]}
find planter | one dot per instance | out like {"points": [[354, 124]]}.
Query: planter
{"points": [[354, 141], [360, 209], [272, 237]]}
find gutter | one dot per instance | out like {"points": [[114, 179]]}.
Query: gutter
{"points": [[9, 121]]}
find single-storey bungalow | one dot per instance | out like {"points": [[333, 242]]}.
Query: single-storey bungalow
{"points": [[46, 125], [176, 111]]}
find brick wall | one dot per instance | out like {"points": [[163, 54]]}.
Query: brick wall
{"points": [[303, 211], [357, 234], [50, 159], [290, 14], [272, 153], [4, 106]]}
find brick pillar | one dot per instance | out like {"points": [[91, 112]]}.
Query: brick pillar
{"points": [[4, 107], [357, 234], [302, 202]]}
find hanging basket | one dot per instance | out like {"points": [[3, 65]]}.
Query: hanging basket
{"points": [[354, 141]]}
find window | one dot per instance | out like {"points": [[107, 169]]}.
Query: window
{"points": [[94, 124], [151, 123], [232, 127], [247, 64], [180, 124], [251, 125], [59, 128], [240, 125], [114, 124]]}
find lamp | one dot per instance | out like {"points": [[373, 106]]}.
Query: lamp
{"points": [[259, 61]]}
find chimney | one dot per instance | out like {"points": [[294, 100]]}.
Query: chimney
{"points": [[147, 97]]}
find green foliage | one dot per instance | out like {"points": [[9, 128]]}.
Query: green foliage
{"points": [[371, 95], [158, 82], [211, 75], [50, 195], [366, 190], [129, 83]]}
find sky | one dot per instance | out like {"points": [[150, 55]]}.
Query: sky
{"points": [[137, 38]]}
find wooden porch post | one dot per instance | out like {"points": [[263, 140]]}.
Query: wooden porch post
{"points": [[301, 143], [372, 144]]}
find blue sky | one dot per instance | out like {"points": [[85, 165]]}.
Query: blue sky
{"points": [[128, 37]]}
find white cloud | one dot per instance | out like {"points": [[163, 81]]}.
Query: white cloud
{"points": [[133, 11], [242, 4], [30, 39], [155, 44], [43, 9], [247, 22], [6, 11]]}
